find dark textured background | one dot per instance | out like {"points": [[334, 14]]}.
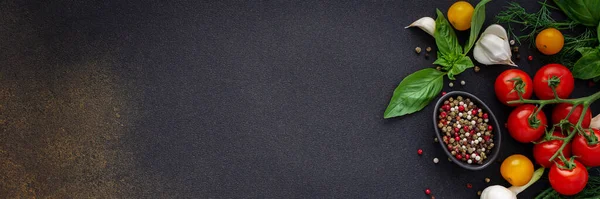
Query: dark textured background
{"points": [[259, 99]]}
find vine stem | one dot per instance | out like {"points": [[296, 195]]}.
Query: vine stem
{"points": [[584, 101]]}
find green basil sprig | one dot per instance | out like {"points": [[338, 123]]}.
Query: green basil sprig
{"points": [[418, 89], [586, 12]]}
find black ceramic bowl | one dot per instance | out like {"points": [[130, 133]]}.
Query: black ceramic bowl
{"points": [[492, 120]]}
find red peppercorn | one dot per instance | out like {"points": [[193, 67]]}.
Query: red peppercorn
{"points": [[443, 93], [457, 138], [469, 185], [466, 128], [443, 114], [486, 138], [420, 151], [455, 134], [490, 128], [485, 116], [457, 118], [449, 148], [446, 107], [458, 156], [530, 58], [461, 108], [473, 112], [427, 191], [456, 129], [467, 156]]}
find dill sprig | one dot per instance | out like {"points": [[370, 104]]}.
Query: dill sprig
{"points": [[532, 23]]}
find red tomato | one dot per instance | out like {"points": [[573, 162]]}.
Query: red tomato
{"points": [[561, 111], [553, 71], [519, 127], [542, 152], [505, 83], [589, 155], [568, 182]]}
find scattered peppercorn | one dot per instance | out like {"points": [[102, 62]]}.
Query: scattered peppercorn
{"points": [[418, 50], [420, 151], [530, 58], [436, 160], [462, 82], [476, 69], [479, 193], [512, 42], [427, 191], [428, 49], [487, 180], [516, 49], [435, 139], [469, 185], [443, 93], [438, 68], [451, 84]]}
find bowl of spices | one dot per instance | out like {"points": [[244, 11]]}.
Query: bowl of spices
{"points": [[467, 130]]}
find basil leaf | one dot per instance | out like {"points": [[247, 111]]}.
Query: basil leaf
{"points": [[415, 92], [459, 66], [476, 24], [584, 50], [588, 66], [443, 62], [444, 35], [586, 12]]}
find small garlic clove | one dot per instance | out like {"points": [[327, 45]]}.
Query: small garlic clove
{"points": [[426, 24], [595, 122], [493, 47]]}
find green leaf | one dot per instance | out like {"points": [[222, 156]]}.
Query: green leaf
{"points": [[586, 12], [588, 66], [459, 66], [444, 35], [584, 50], [598, 32], [415, 92], [476, 24]]}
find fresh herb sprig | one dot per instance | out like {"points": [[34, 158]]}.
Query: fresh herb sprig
{"points": [[418, 89], [575, 44]]}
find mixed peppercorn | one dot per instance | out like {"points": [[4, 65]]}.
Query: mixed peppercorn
{"points": [[466, 130]]}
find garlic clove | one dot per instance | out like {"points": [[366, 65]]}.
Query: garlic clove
{"points": [[493, 47], [426, 24], [595, 122]]}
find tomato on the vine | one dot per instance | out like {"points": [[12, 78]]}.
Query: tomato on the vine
{"points": [[543, 151], [568, 182], [525, 129], [587, 154], [556, 75], [510, 82], [561, 111]]}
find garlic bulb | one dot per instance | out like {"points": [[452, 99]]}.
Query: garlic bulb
{"points": [[426, 23], [493, 47]]}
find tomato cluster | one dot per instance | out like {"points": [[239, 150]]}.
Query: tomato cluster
{"points": [[528, 124]]}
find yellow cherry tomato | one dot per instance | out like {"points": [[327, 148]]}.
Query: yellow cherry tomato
{"points": [[459, 15], [517, 170], [550, 41]]}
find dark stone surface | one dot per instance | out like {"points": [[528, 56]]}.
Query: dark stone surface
{"points": [[203, 99]]}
